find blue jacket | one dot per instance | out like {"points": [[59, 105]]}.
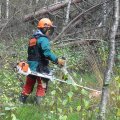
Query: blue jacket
{"points": [[42, 42]]}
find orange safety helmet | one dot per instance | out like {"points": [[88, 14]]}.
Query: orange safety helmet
{"points": [[45, 23]]}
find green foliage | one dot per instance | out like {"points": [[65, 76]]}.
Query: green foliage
{"points": [[62, 101]]}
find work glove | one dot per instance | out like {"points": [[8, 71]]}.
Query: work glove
{"points": [[61, 61]]}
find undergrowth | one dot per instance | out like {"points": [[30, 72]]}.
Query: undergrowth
{"points": [[62, 101]]}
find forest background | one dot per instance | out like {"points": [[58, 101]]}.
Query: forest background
{"points": [[87, 35]]}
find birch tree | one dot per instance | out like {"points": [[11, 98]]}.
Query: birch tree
{"points": [[7, 9], [68, 12], [37, 1], [104, 15], [107, 76], [0, 13]]}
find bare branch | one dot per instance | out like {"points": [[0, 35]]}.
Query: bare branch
{"points": [[76, 18], [79, 42]]}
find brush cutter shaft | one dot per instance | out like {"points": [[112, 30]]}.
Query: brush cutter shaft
{"points": [[50, 77]]}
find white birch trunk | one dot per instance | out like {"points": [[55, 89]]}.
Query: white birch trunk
{"points": [[104, 12], [7, 9], [37, 1], [30, 3], [68, 12], [104, 16], [107, 76], [0, 12], [56, 1]]}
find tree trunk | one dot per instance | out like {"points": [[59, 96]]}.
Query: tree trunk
{"points": [[7, 9], [107, 76], [0, 13], [37, 1], [3, 9], [104, 12], [104, 17], [68, 12]]}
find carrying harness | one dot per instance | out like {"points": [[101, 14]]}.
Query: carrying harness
{"points": [[35, 52]]}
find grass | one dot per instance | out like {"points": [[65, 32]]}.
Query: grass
{"points": [[29, 113]]}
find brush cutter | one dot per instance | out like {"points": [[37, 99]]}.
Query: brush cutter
{"points": [[23, 68]]}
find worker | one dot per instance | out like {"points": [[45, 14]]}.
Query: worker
{"points": [[39, 54]]}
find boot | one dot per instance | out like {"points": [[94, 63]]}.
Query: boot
{"points": [[23, 98], [38, 100]]}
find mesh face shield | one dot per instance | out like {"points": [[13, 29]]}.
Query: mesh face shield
{"points": [[51, 30]]}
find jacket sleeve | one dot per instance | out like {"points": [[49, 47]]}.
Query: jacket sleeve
{"points": [[45, 45]]}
